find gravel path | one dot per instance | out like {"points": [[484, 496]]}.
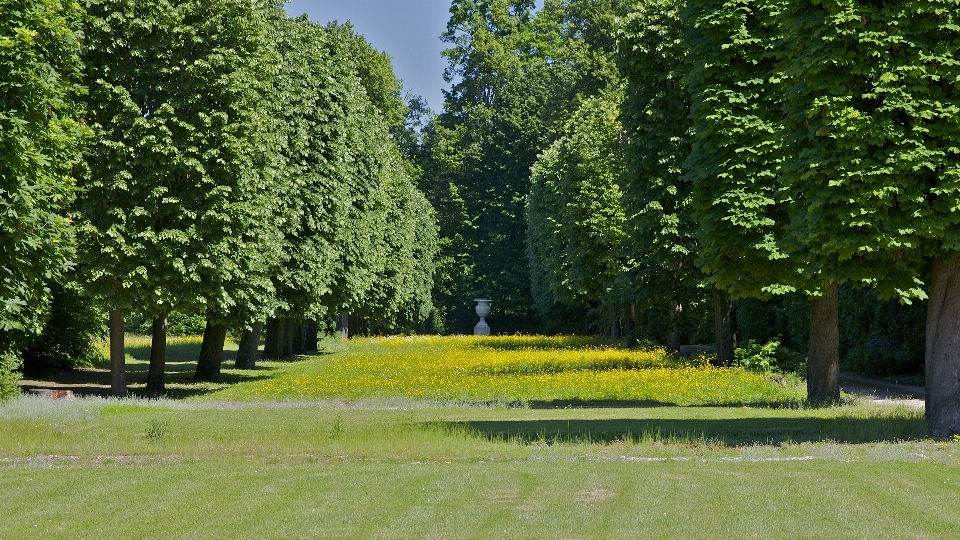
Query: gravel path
{"points": [[881, 391]]}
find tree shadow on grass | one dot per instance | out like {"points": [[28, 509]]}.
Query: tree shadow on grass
{"points": [[179, 381], [725, 432]]}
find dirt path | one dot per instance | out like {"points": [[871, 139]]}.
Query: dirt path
{"points": [[882, 391]]}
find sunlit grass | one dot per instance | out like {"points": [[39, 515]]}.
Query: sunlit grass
{"points": [[393, 438], [512, 369]]}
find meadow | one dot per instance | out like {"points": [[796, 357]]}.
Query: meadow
{"points": [[521, 444], [513, 369]]}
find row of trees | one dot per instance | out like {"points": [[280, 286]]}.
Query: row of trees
{"points": [[238, 163], [819, 155], [666, 158]]}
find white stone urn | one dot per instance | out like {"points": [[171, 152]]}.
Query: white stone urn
{"points": [[483, 309]]}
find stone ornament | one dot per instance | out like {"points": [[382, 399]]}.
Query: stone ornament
{"points": [[483, 309]]}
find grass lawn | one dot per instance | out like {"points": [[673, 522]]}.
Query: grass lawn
{"points": [[372, 464]]}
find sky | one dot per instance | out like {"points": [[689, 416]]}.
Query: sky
{"points": [[408, 30]]}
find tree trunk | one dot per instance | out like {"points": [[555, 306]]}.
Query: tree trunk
{"points": [[288, 328], [158, 355], [311, 341], [299, 342], [343, 325], [628, 328], [271, 347], [724, 325], [242, 346], [673, 338], [249, 344], [823, 362], [615, 329], [118, 367], [281, 336], [942, 357], [211, 352]]}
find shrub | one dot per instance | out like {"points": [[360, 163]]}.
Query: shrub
{"points": [[68, 336], [881, 337], [784, 318], [771, 357], [9, 375]]}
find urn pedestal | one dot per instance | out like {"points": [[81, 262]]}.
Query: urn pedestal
{"points": [[483, 309]]}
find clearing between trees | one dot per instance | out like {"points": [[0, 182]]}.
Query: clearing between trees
{"points": [[363, 450]]}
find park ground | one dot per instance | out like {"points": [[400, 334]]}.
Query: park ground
{"points": [[454, 438]]}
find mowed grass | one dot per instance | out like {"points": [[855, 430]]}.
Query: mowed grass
{"points": [[545, 371], [379, 464]]}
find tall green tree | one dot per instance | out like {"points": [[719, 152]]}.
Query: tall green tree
{"points": [[41, 135], [360, 238], [179, 206], [736, 163], [574, 214], [872, 112], [663, 243]]}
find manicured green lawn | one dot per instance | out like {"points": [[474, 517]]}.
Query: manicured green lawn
{"points": [[395, 466], [516, 499]]}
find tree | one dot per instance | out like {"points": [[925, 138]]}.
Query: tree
{"points": [[575, 219], [179, 206], [517, 74], [872, 112], [358, 233], [41, 136], [663, 242], [736, 163]]}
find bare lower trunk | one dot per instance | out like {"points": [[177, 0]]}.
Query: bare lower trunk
{"points": [[943, 349], [158, 355], [249, 344], [311, 341], [211, 352], [724, 326], [271, 346], [673, 338], [628, 326], [281, 338], [615, 329], [288, 331], [823, 362], [118, 368], [343, 325], [299, 343]]}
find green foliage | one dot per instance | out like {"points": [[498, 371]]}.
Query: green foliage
{"points": [[881, 338], [361, 237], [316, 95], [178, 324], [375, 71], [784, 318], [10, 365], [575, 221], [662, 245], [179, 208], [877, 337], [767, 358], [69, 336], [156, 429], [872, 112], [40, 141], [517, 77], [737, 148]]}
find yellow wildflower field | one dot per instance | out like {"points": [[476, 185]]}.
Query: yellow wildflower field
{"points": [[511, 369]]}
